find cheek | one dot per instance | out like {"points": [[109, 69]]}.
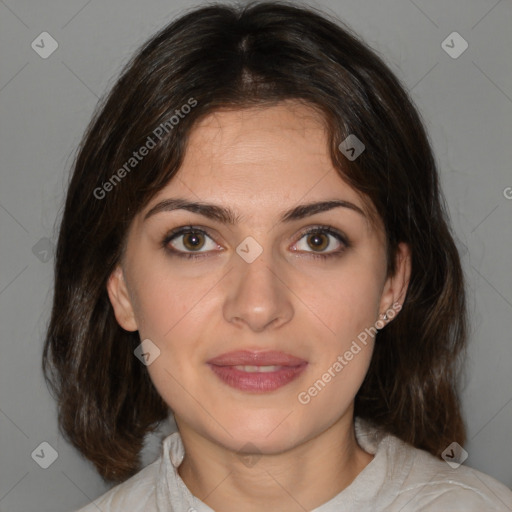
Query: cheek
{"points": [[170, 316], [173, 313], [347, 308], [346, 301], [331, 391], [165, 299]]}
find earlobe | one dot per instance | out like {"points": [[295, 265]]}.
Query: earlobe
{"points": [[120, 300], [396, 286]]}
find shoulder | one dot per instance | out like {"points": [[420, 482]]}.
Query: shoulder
{"points": [[411, 479], [433, 485], [136, 494]]}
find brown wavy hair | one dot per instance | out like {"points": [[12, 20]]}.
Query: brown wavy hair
{"points": [[238, 56]]}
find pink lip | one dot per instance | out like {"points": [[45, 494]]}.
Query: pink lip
{"points": [[290, 368]]}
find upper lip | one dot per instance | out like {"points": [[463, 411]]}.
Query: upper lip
{"points": [[255, 358]]}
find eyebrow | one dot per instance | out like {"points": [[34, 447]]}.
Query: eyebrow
{"points": [[227, 216]]}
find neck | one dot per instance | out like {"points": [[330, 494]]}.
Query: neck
{"points": [[302, 478]]}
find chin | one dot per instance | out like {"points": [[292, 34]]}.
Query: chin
{"points": [[267, 432]]}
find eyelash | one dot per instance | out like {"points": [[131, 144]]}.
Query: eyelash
{"points": [[328, 230]]}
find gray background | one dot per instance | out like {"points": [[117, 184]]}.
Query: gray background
{"points": [[44, 107]]}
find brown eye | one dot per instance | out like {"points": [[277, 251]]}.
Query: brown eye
{"points": [[189, 242], [322, 242], [318, 241], [193, 240]]}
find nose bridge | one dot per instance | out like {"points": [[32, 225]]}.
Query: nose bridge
{"points": [[257, 295]]}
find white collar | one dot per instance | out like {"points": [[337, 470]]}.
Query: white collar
{"points": [[172, 495]]}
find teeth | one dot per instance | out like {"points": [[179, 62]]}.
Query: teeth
{"points": [[261, 369]]}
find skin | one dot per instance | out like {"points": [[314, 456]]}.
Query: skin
{"points": [[259, 162]]}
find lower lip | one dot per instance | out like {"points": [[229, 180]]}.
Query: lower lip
{"points": [[259, 382]]}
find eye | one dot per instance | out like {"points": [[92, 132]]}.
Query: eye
{"points": [[187, 242], [318, 238], [192, 239]]}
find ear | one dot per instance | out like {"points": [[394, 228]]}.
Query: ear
{"points": [[395, 288], [120, 300]]}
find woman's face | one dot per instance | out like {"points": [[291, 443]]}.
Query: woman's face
{"points": [[258, 283]]}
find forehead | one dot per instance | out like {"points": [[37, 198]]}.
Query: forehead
{"points": [[236, 132], [260, 134], [258, 161], [276, 150]]}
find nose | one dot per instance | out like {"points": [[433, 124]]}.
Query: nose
{"points": [[256, 294]]}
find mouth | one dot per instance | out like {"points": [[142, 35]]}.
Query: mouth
{"points": [[257, 372], [258, 369]]}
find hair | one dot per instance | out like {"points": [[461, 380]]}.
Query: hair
{"points": [[232, 57]]}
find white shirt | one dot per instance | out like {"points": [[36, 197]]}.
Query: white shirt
{"points": [[400, 478]]}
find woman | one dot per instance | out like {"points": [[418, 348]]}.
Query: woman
{"points": [[254, 239]]}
